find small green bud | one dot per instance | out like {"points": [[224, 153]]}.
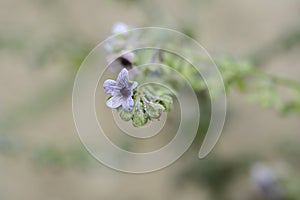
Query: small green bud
{"points": [[139, 118], [157, 106], [125, 115], [154, 110], [166, 101]]}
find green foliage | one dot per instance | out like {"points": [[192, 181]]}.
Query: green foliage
{"points": [[149, 103], [48, 156], [260, 87]]}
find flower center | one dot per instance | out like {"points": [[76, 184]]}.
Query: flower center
{"points": [[125, 92]]}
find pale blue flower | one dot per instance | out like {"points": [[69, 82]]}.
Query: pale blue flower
{"points": [[266, 180], [121, 91], [119, 27]]}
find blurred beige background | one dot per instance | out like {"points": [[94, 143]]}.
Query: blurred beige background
{"points": [[43, 42]]}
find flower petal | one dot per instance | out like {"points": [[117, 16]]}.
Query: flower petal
{"points": [[123, 78], [109, 86], [128, 104], [115, 101]]}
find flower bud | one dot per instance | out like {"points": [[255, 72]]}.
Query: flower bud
{"points": [[166, 101], [154, 110], [126, 115], [139, 118]]}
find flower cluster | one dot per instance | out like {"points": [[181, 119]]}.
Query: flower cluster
{"points": [[138, 104]]}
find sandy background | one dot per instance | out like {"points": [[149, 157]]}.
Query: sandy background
{"points": [[41, 156]]}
